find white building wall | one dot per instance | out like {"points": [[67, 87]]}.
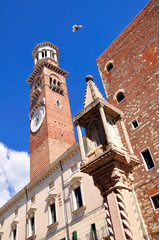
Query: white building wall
{"points": [[80, 222]]}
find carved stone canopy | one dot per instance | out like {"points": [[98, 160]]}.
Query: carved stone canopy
{"points": [[86, 113]]}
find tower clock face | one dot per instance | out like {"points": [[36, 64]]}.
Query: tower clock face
{"points": [[37, 119]]}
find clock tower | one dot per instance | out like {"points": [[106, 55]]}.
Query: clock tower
{"points": [[51, 127]]}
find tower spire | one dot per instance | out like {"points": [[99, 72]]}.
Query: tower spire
{"points": [[91, 91]]}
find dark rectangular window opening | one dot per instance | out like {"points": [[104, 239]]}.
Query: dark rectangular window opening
{"points": [[148, 159], [32, 223], [135, 124], [155, 201], [53, 212], [78, 197], [14, 234], [93, 232]]}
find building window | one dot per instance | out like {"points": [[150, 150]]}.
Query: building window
{"points": [[54, 82], [120, 96], [14, 234], [58, 104], [78, 198], [155, 200], [55, 85], [14, 230], [51, 201], [109, 66], [134, 124], [42, 54], [32, 222], [52, 213], [93, 232], [32, 226], [148, 160], [1, 235], [74, 235]]}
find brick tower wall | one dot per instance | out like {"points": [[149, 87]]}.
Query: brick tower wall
{"points": [[135, 59], [56, 133]]}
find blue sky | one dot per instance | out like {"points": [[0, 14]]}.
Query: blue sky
{"points": [[23, 24]]}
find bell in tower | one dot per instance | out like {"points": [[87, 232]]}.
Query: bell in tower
{"points": [[110, 161], [51, 127]]}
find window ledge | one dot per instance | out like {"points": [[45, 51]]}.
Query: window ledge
{"points": [[32, 237], [53, 225], [81, 209]]}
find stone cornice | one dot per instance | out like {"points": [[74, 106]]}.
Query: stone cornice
{"points": [[112, 153], [44, 63]]}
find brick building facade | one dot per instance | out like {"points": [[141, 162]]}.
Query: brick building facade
{"points": [[129, 71]]}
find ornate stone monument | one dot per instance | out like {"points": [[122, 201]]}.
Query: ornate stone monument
{"points": [[109, 160]]}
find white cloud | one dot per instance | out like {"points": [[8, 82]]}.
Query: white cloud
{"points": [[14, 172]]}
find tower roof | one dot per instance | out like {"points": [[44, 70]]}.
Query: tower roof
{"points": [[39, 45], [91, 92]]}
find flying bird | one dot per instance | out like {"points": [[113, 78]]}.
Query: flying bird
{"points": [[76, 27]]}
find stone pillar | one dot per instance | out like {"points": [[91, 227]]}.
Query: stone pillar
{"points": [[40, 55], [81, 145], [55, 57], [48, 53], [115, 192], [126, 136], [115, 216], [105, 124]]}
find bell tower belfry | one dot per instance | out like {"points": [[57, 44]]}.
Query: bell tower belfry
{"points": [[109, 162], [51, 127]]}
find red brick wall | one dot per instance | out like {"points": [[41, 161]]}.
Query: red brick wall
{"points": [[135, 70], [56, 133]]}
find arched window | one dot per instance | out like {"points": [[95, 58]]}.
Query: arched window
{"points": [[109, 66], [120, 96], [58, 104]]}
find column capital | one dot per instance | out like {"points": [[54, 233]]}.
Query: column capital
{"points": [[76, 123], [113, 179], [100, 104]]}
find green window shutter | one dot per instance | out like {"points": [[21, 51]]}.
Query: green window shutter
{"points": [[74, 235]]}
